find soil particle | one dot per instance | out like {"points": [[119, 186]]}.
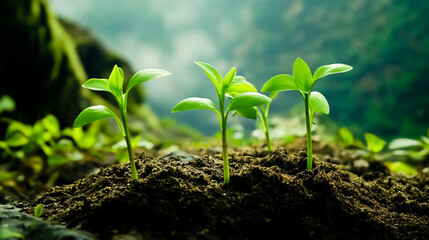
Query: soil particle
{"points": [[269, 197]]}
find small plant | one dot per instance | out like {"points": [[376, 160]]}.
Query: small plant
{"points": [[303, 82], [243, 96], [38, 210], [347, 139], [414, 149], [261, 113], [114, 85], [374, 145]]}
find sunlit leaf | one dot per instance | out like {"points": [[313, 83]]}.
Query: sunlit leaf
{"points": [[194, 103], [402, 167], [97, 85], [213, 74], [95, 113], [318, 103], [6, 233], [246, 100], [50, 122], [146, 75], [326, 70], [281, 82], [374, 143], [302, 75], [56, 160]]}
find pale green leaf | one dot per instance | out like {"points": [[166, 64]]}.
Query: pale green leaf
{"points": [[273, 95], [38, 210], [302, 75], [247, 100], [402, 167], [95, 113], [326, 70], [281, 82], [97, 84], [51, 124], [374, 143], [145, 75], [6, 233], [194, 103], [213, 74], [318, 103], [404, 143], [6, 104]]}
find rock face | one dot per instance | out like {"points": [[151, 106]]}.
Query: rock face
{"points": [[44, 61]]}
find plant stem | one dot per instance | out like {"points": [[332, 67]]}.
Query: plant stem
{"points": [[308, 125], [264, 120], [129, 146], [224, 141]]}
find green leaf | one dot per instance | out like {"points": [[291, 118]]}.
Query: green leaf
{"points": [[318, 103], [6, 233], [194, 103], [56, 160], [97, 84], [326, 70], [240, 85], [404, 143], [145, 75], [51, 124], [247, 100], [247, 112], [38, 210], [401, 167], [116, 81], [281, 82], [228, 79], [273, 95], [6, 104], [302, 75], [95, 113], [346, 136], [213, 74], [374, 143]]}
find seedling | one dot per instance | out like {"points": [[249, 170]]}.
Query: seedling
{"points": [[243, 95], [261, 113], [414, 149], [374, 145], [303, 82], [114, 85]]}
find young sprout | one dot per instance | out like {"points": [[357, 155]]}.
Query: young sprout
{"points": [[114, 85], [374, 145], [303, 82], [261, 113], [243, 95]]}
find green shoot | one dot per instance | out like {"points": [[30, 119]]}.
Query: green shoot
{"points": [[38, 210], [303, 82], [114, 85], [414, 149], [242, 93]]}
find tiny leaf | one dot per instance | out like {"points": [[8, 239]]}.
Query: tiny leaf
{"points": [[38, 210], [246, 100], [318, 103], [374, 143], [97, 85], [145, 75], [194, 103], [213, 74], [95, 113], [302, 75], [326, 70], [7, 233], [281, 82]]}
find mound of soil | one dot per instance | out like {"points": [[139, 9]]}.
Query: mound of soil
{"points": [[269, 197]]}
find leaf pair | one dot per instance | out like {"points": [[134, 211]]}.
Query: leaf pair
{"points": [[242, 93], [303, 81]]}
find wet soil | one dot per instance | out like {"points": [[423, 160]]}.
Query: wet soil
{"points": [[270, 196]]}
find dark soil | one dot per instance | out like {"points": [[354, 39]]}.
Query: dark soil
{"points": [[269, 197]]}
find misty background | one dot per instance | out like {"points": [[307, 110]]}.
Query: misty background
{"points": [[386, 41]]}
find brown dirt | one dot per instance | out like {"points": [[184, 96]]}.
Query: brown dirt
{"points": [[269, 197]]}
